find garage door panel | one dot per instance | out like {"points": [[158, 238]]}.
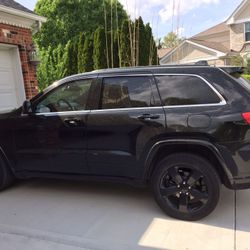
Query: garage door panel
{"points": [[5, 58], [7, 79], [6, 101], [10, 93]]}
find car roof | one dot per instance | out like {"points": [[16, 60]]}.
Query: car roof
{"points": [[159, 69], [139, 70]]}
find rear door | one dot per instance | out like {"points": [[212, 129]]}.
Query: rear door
{"points": [[128, 119]]}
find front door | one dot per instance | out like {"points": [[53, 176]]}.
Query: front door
{"points": [[129, 118], [53, 138]]}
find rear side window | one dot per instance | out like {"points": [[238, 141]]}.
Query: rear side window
{"points": [[128, 92], [185, 90]]}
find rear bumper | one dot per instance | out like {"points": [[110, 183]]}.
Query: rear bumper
{"points": [[237, 159]]}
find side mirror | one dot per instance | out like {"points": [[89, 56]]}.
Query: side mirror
{"points": [[27, 107]]}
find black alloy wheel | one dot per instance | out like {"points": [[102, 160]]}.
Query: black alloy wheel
{"points": [[186, 186]]}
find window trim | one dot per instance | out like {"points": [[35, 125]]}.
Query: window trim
{"points": [[245, 32], [222, 100], [221, 103]]}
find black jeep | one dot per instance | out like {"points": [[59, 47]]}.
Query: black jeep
{"points": [[183, 130]]}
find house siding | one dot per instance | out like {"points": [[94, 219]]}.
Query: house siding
{"points": [[237, 38], [22, 37], [189, 53]]}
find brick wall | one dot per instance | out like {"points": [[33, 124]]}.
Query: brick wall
{"points": [[22, 38]]}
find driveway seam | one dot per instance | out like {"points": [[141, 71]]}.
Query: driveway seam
{"points": [[235, 220]]}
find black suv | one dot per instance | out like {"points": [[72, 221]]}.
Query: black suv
{"points": [[183, 130]]}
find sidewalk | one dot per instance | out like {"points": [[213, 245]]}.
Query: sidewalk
{"points": [[65, 215]]}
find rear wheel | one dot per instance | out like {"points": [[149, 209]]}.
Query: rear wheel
{"points": [[186, 186], [6, 175]]}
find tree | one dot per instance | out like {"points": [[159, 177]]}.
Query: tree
{"points": [[237, 61], [152, 48], [69, 61], [125, 48], [247, 69], [81, 43], [155, 59], [159, 43], [44, 69], [58, 62], [116, 50], [72, 17], [87, 55], [99, 51], [142, 53], [171, 40]]}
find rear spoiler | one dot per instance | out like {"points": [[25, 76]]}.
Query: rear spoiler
{"points": [[233, 70]]}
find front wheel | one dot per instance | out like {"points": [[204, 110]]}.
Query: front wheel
{"points": [[186, 186], [6, 175]]}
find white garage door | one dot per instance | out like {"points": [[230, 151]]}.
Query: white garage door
{"points": [[11, 83]]}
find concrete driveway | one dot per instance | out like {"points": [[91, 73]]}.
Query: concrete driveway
{"points": [[52, 214]]}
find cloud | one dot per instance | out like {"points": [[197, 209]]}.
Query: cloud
{"points": [[181, 7], [180, 31], [165, 9]]}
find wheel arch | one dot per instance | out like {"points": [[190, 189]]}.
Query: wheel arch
{"points": [[201, 148]]}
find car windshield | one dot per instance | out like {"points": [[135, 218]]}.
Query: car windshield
{"points": [[244, 82]]}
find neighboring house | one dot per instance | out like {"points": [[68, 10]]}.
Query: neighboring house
{"points": [[162, 52], [17, 67], [217, 45]]}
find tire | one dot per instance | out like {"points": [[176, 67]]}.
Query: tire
{"points": [[186, 186], [6, 175]]}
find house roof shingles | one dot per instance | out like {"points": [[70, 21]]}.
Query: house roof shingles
{"points": [[212, 45], [14, 5], [164, 51], [219, 28]]}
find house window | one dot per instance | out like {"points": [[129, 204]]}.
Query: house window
{"points": [[247, 31]]}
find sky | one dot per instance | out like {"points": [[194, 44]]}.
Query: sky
{"points": [[186, 17]]}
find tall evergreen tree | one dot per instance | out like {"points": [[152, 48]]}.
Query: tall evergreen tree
{"points": [[58, 62], [47, 72], [87, 55], [99, 51], [151, 45], [155, 59], [80, 63], [69, 62], [116, 50], [125, 48], [148, 43], [142, 42]]}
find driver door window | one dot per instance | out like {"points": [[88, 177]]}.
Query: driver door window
{"points": [[68, 97]]}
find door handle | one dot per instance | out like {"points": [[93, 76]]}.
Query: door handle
{"points": [[148, 117], [73, 122]]}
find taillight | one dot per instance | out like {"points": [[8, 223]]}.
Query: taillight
{"points": [[246, 116]]}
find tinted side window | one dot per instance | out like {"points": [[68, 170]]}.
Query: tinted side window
{"points": [[68, 97], [185, 90], [126, 92]]}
